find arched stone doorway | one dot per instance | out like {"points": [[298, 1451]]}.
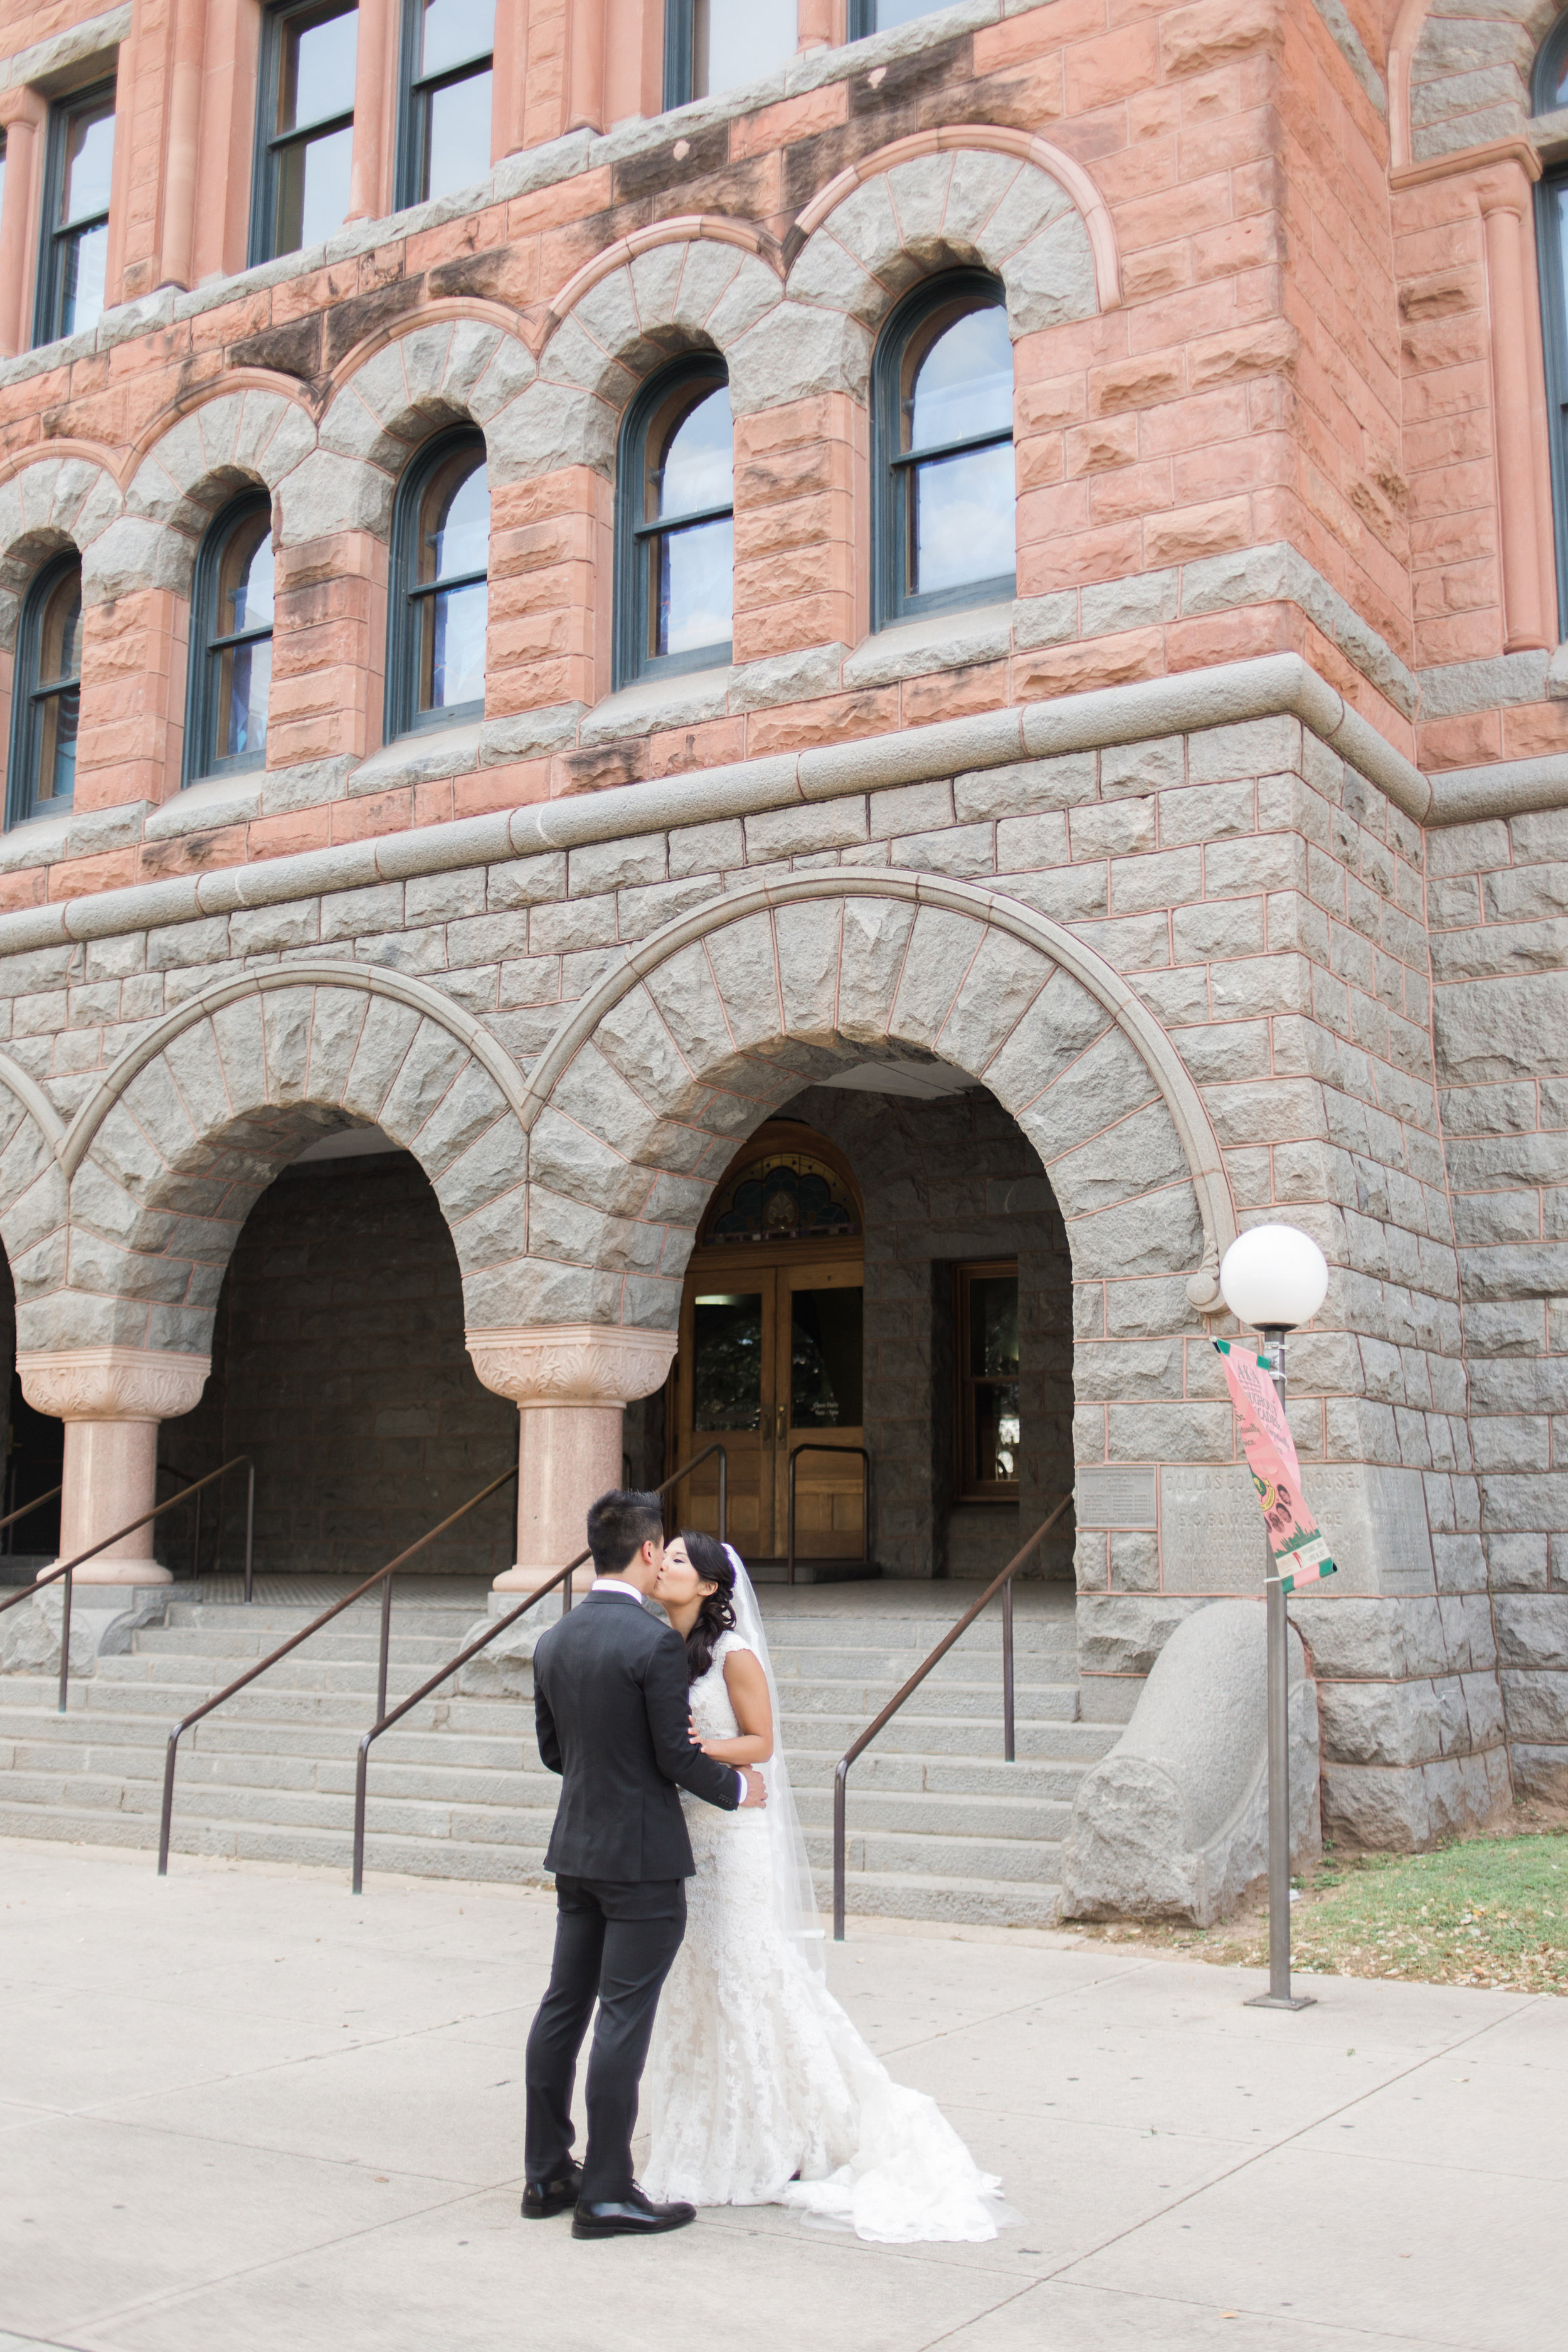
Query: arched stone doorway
{"points": [[712, 1026]]}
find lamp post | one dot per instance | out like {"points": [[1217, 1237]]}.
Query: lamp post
{"points": [[1276, 1277]]}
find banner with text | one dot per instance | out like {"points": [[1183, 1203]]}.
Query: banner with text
{"points": [[1301, 1554]]}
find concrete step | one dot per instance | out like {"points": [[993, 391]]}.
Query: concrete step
{"points": [[996, 1903], [143, 1714], [902, 1895]]}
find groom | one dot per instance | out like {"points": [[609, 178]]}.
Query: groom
{"points": [[612, 1711]]}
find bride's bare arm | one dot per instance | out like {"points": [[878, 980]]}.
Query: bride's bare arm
{"points": [[748, 1688]]}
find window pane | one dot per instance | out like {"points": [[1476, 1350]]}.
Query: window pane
{"points": [[316, 70], [964, 382], [244, 679], [899, 12], [245, 577], [994, 1325], [84, 263], [452, 663], [696, 468], [56, 750], [314, 189], [735, 41], [458, 144], [455, 519], [694, 599], [727, 1361], [453, 30], [60, 633], [826, 1359], [963, 527], [997, 1431], [89, 161]]}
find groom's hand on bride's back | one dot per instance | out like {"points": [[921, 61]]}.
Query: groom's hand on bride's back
{"points": [[756, 1787]]}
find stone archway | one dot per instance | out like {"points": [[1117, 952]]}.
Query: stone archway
{"points": [[713, 1022], [166, 1157]]}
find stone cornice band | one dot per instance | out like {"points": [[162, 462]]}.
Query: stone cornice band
{"points": [[1273, 685]]}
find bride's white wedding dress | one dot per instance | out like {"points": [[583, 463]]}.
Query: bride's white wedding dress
{"points": [[756, 2075]]}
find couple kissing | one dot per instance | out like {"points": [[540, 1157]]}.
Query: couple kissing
{"points": [[686, 1912]]}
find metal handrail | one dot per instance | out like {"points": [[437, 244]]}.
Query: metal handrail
{"points": [[1002, 1584], [67, 1568], [36, 1503], [812, 1446], [562, 1576], [383, 1577]]}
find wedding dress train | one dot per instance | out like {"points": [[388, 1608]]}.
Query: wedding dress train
{"points": [[756, 2075]]}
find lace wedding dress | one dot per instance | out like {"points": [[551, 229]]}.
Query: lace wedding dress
{"points": [[756, 2075]]}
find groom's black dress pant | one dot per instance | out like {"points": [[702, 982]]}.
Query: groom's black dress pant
{"points": [[614, 1943]]}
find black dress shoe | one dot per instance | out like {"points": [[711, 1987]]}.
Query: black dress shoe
{"points": [[540, 2199], [632, 2216]]}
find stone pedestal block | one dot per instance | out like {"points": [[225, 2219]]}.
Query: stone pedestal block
{"points": [[571, 1382], [112, 1401]]}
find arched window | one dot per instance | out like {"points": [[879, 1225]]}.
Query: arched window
{"points": [[1548, 91], [945, 528], [46, 709], [231, 643], [441, 565], [675, 527]]}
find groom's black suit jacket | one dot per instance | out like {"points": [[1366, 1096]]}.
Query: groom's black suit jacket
{"points": [[611, 1705]]}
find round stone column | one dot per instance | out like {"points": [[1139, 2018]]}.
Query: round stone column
{"points": [[571, 1383], [112, 1401]]}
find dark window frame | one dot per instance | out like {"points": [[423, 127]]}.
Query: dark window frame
{"points": [[201, 708], [632, 662], [680, 52], [1547, 71], [48, 299], [403, 715], [862, 21], [269, 144], [890, 599], [413, 91], [678, 42], [1552, 191], [967, 1486], [28, 694]]}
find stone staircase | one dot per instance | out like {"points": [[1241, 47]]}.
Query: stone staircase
{"points": [[939, 1827]]}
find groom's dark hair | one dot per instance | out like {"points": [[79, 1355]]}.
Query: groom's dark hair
{"points": [[620, 1524]]}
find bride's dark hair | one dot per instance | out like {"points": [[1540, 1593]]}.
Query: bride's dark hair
{"points": [[717, 1613]]}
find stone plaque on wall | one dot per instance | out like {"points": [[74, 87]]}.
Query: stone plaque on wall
{"points": [[1116, 1497], [1211, 1530]]}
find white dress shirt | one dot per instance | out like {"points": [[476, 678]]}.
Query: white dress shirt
{"points": [[618, 1584]]}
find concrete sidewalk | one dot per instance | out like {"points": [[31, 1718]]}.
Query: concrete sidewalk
{"points": [[241, 2112]]}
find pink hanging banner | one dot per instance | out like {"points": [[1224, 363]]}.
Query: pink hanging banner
{"points": [[1301, 1553]]}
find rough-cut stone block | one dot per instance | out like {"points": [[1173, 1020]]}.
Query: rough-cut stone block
{"points": [[1173, 1823]]}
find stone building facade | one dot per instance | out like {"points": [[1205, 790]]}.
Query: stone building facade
{"points": [[1223, 843]]}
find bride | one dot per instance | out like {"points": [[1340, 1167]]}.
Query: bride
{"points": [[762, 2091]]}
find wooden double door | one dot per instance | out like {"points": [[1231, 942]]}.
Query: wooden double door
{"points": [[771, 1360]]}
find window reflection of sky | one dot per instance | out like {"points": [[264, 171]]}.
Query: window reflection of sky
{"points": [[964, 383], [699, 469], [963, 519]]}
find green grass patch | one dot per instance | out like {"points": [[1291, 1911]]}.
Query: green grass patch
{"points": [[1489, 1910]]}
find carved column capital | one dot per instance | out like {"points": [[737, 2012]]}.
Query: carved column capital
{"points": [[545, 1364], [112, 1383]]}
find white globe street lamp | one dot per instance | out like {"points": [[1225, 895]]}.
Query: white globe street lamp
{"points": [[1275, 1278]]}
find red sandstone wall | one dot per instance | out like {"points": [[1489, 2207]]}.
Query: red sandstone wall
{"points": [[1265, 379]]}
